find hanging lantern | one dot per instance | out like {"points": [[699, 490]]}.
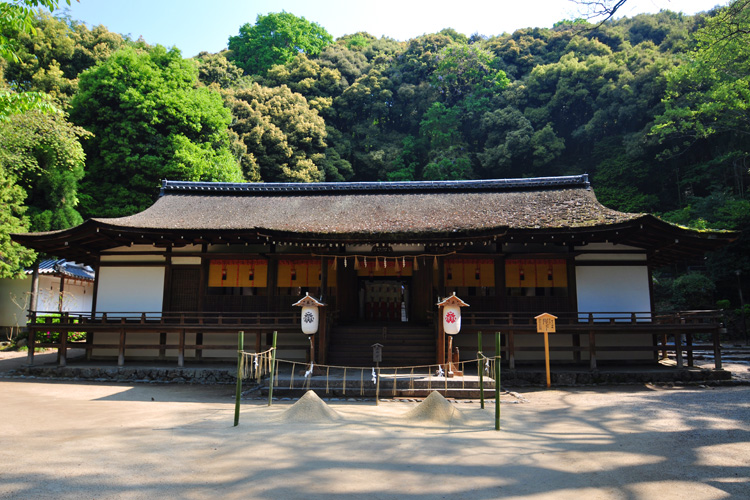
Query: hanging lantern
{"points": [[310, 314], [452, 314]]}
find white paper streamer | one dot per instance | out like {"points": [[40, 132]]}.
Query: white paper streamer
{"points": [[309, 372], [374, 376], [440, 371]]}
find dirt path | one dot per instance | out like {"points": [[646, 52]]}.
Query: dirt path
{"points": [[148, 441]]}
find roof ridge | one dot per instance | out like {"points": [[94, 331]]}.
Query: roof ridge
{"points": [[457, 185]]}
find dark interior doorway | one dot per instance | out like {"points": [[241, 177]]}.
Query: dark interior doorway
{"points": [[384, 299]]}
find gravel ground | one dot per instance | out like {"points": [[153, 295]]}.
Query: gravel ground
{"points": [[82, 440]]}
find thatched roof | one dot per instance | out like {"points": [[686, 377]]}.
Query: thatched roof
{"points": [[374, 212], [376, 209]]}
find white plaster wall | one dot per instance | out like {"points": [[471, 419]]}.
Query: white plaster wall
{"points": [[130, 289], [613, 289], [10, 314], [76, 298]]}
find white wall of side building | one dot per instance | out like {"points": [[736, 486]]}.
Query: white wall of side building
{"points": [[130, 289], [615, 289], [77, 298], [13, 292]]}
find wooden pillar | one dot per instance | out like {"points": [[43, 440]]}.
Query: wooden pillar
{"points": [[202, 287], [322, 336], [511, 343], [273, 275], [34, 299], [181, 348], [121, 345], [322, 325], [716, 334], [32, 311], [440, 276], [199, 345], [500, 292], [441, 337], [162, 343], [592, 349], [166, 291], [592, 343], [90, 335], [678, 348], [62, 351], [61, 294]]}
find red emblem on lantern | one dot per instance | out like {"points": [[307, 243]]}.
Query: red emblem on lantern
{"points": [[450, 317]]}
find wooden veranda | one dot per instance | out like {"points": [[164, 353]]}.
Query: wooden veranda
{"points": [[590, 333]]}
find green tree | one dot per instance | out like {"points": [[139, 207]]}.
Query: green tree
{"points": [[50, 59], [217, 70], [275, 38], [18, 17], [45, 154], [282, 133], [13, 257], [150, 122], [319, 84]]}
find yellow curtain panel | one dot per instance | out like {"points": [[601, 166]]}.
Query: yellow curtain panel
{"points": [[543, 273], [238, 273], [303, 273], [470, 272]]}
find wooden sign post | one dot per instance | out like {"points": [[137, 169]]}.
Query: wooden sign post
{"points": [[545, 323]]}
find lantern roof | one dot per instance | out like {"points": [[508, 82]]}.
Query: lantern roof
{"points": [[452, 300], [308, 301]]}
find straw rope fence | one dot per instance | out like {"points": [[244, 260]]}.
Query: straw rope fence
{"points": [[257, 365], [355, 379]]}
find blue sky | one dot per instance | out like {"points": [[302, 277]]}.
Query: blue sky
{"points": [[196, 25]]}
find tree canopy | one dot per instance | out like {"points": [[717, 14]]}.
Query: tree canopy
{"points": [[276, 38], [150, 122]]}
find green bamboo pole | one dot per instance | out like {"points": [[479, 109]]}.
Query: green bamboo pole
{"points": [[238, 393], [497, 381], [481, 370], [273, 370]]}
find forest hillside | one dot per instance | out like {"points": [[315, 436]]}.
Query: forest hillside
{"points": [[653, 107]]}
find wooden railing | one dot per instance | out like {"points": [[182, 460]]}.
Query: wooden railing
{"points": [[181, 323], [594, 326], [680, 326]]}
